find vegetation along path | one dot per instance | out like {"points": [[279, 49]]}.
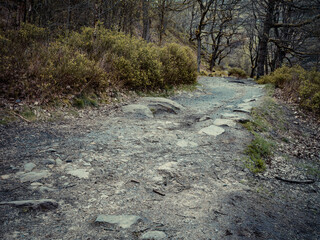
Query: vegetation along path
{"points": [[153, 169]]}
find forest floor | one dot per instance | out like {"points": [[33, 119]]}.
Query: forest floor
{"points": [[162, 169]]}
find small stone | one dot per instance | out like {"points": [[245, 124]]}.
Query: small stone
{"points": [[80, 173], [153, 235], [59, 162], [34, 204], [169, 168], [34, 176], [184, 143], [123, 221], [49, 162], [28, 167], [212, 130], [5, 177]]}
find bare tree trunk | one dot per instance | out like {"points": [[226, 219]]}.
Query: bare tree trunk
{"points": [[198, 36], [146, 20], [263, 43]]}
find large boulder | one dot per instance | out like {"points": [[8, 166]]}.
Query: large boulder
{"points": [[162, 105]]}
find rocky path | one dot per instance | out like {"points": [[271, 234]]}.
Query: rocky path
{"points": [[155, 169]]}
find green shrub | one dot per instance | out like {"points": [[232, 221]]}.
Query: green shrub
{"points": [[89, 61], [298, 84], [237, 72], [179, 65]]}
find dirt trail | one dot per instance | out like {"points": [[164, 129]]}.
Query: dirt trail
{"points": [[175, 169]]}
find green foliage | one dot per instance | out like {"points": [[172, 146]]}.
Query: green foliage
{"points": [[237, 72], [90, 61], [179, 66], [84, 101], [298, 84], [258, 150]]}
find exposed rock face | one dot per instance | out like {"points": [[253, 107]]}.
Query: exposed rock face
{"points": [[160, 105], [137, 110], [34, 176]]}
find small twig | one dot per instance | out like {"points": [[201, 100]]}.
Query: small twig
{"points": [[18, 115], [221, 213], [160, 193], [310, 181], [134, 181]]}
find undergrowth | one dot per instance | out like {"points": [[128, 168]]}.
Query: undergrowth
{"points": [[261, 148], [91, 61], [298, 85]]}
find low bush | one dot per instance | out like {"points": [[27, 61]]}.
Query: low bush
{"points": [[92, 60], [237, 72], [298, 85]]}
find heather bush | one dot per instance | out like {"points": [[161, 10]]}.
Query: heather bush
{"points": [[298, 84], [89, 61], [237, 72]]}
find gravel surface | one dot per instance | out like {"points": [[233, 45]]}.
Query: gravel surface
{"points": [[174, 172]]}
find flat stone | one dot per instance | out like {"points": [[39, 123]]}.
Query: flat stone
{"points": [[224, 122], [205, 118], [244, 107], [169, 168], [49, 162], [34, 204], [212, 130], [123, 221], [240, 117], [158, 105], [184, 143], [80, 173], [137, 110], [34, 176], [5, 177], [28, 167], [153, 235]]}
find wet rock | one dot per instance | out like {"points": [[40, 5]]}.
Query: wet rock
{"points": [[123, 221], [34, 204], [224, 122], [80, 173], [212, 130], [34, 176], [159, 105], [28, 167], [184, 143], [138, 110], [153, 235]]}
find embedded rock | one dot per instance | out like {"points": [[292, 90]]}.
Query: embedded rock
{"points": [[137, 110], [123, 221]]}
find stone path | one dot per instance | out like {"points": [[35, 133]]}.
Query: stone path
{"points": [[155, 169]]}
